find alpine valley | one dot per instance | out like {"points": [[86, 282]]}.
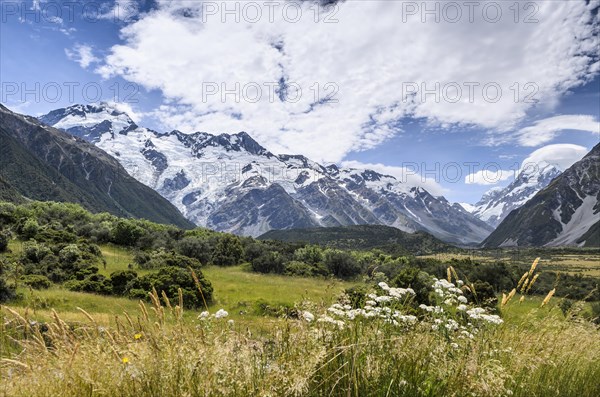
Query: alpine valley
{"points": [[233, 184]]}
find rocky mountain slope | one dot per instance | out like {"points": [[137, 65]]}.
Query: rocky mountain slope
{"points": [[231, 183], [566, 212], [497, 203], [39, 162]]}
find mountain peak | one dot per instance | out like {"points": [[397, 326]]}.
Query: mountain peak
{"points": [[90, 122], [239, 142]]}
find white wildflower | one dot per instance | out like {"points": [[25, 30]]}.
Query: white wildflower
{"points": [[308, 316], [384, 286], [221, 314]]}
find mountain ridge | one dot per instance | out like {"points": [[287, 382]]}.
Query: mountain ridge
{"points": [[566, 212], [223, 182]]}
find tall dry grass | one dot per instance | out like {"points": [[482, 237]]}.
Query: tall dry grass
{"points": [[157, 352]]}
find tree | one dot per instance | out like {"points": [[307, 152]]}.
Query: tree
{"points": [[228, 252]]}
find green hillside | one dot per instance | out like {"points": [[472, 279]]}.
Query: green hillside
{"points": [[41, 163], [363, 237]]}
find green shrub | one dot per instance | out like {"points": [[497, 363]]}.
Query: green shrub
{"points": [[126, 232], [419, 281], [269, 262], [357, 296], [120, 279], [7, 292], [30, 229], [36, 281], [4, 239], [228, 251], [279, 310], [196, 248], [162, 258], [310, 254], [169, 280], [94, 283], [297, 268], [484, 294], [341, 263]]}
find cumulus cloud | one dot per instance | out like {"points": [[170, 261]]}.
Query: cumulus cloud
{"points": [[359, 75], [82, 54], [562, 156], [406, 175], [488, 176], [543, 131]]}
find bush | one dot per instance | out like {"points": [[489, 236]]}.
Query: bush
{"points": [[30, 229], [269, 262], [484, 294], [169, 280], [36, 281], [357, 296], [419, 281], [341, 263], [310, 254], [228, 251], [162, 258], [279, 310], [94, 283], [196, 248], [127, 233], [120, 280], [4, 239], [298, 268], [7, 292]]}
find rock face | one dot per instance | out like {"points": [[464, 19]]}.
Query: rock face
{"points": [[566, 212], [231, 183], [497, 203], [43, 163]]}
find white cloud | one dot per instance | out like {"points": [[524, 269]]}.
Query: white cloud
{"points": [[545, 130], [403, 174], [368, 55], [82, 54], [561, 156], [488, 176], [126, 108]]}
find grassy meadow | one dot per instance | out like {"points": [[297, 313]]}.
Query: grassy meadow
{"points": [[107, 346], [280, 338]]}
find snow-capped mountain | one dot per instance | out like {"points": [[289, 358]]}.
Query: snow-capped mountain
{"points": [[497, 203], [229, 182], [566, 212]]}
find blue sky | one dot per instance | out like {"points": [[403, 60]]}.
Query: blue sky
{"points": [[358, 66]]}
